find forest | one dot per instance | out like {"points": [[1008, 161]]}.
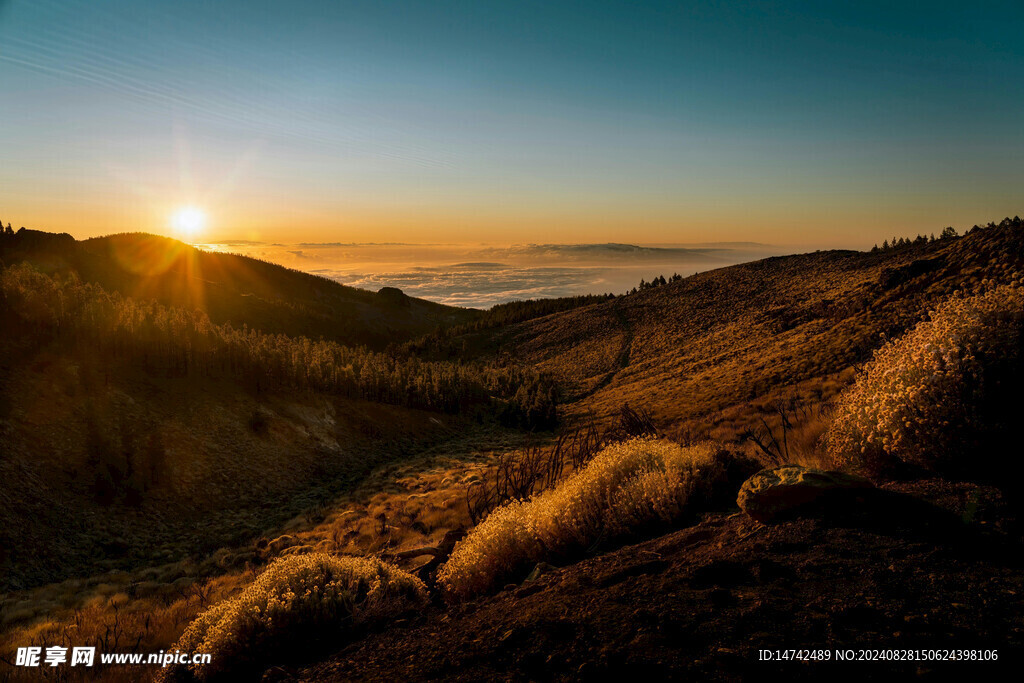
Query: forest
{"points": [[38, 309]]}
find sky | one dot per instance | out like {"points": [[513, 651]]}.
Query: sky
{"points": [[816, 124]]}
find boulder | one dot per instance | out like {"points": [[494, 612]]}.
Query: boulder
{"points": [[793, 491]]}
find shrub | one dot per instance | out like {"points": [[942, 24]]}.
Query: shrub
{"points": [[297, 602], [626, 487], [942, 393]]}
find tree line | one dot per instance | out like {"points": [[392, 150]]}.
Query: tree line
{"points": [[948, 233], [42, 309]]}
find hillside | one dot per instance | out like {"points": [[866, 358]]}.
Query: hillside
{"points": [[120, 470], [697, 352], [232, 289], [137, 432]]}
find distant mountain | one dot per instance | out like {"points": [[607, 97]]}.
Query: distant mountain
{"points": [[718, 245], [232, 289], [612, 250]]}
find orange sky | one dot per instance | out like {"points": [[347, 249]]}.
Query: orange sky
{"points": [[265, 219]]}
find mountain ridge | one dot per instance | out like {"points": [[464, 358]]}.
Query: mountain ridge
{"points": [[231, 288]]}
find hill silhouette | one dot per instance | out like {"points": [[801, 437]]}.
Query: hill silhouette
{"points": [[232, 288]]}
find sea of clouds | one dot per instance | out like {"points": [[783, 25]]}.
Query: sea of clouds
{"points": [[481, 276]]}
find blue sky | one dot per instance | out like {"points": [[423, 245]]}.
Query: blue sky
{"points": [[827, 123]]}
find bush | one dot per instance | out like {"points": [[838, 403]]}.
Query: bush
{"points": [[943, 393], [626, 488], [298, 602]]}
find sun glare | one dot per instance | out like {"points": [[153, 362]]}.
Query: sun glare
{"points": [[188, 221]]}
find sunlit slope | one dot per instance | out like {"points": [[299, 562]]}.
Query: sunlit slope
{"points": [[735, 334], [232, 288]]}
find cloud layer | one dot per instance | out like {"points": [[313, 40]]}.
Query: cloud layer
{"points": [[482, 276]]}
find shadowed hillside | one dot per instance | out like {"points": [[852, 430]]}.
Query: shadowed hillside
{"points": [[139, 429]]}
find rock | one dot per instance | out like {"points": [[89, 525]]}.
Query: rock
{"points": [[794, 490]]}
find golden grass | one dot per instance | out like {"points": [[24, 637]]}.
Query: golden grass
{"points": [[296, 601], [736, 335], [624, 488], [711, 353], [118, 617], [932, 396]]}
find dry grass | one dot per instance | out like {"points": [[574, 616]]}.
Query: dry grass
{"points": [[625, 488], [938, 395], [221, 483], [119, 616], [709, 357], [297, 602], [399, 505]]}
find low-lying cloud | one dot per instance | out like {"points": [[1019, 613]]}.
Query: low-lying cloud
{"points": [[482, 276]]}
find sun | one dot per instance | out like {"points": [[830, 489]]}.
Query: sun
{"points": [[188, 221]]}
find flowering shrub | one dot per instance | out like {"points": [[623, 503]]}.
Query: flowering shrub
{"points": [[937, 395], [297, 599], [625, 487]]}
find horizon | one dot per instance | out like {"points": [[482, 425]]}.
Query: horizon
{"points": [[481, 275], [508, 123]]}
